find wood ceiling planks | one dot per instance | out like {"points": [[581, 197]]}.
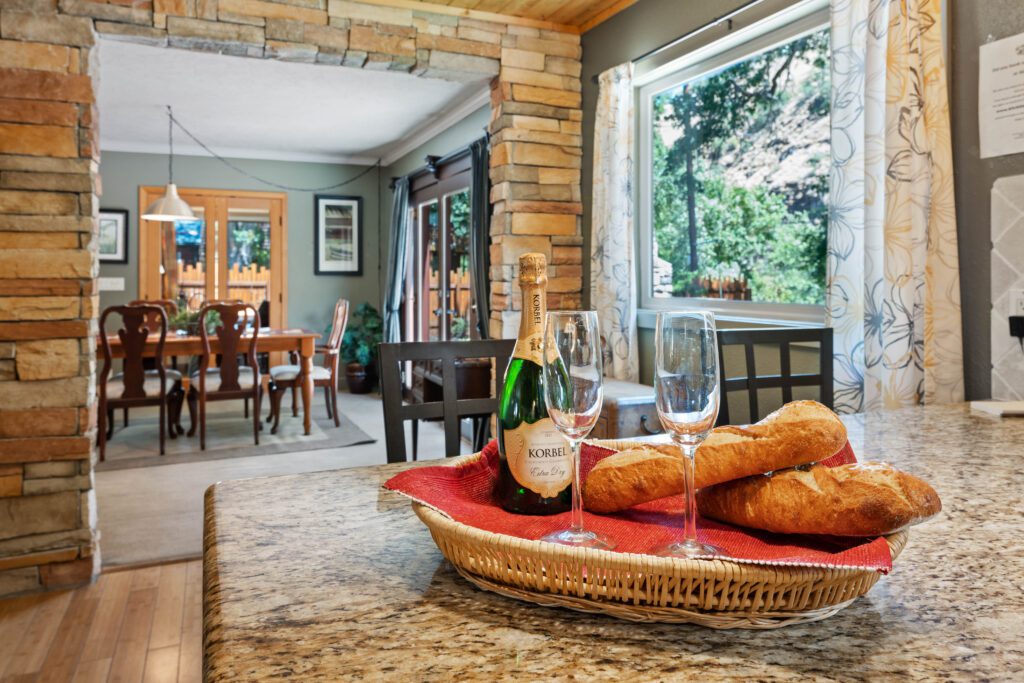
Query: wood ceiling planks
{"points": [[575, 16]]}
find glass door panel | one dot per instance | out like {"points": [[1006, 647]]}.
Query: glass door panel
{"points": [[431, 257], [187, 281], [462, 324], [247, 258]]}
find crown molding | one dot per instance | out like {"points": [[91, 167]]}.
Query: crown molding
{"points": [[432, 128]]}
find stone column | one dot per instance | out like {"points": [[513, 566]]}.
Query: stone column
{"points": [[535, 169], [48, 161]]}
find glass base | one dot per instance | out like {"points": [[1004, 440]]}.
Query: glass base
{"points": [[690, 550], [579, 539]]}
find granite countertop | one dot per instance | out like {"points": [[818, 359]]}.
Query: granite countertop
{"points": [[325, 576]]}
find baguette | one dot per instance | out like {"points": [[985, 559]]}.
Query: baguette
{"points": [[799, 433], [859, 499]]}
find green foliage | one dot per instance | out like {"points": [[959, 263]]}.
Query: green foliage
{"points": [[707, 228], [250, 243], [188, 321], [365, 330]]}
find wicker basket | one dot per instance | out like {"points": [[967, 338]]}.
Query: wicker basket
{"points": [[713, 593]]}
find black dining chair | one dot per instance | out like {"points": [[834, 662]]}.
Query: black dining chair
{"points": [[442, 359], [786, 380]]}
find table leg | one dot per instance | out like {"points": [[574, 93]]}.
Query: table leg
{"points": [[307, 390]]}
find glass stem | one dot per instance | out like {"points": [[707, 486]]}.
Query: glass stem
{"points": [[689, 494], [577, 493]]}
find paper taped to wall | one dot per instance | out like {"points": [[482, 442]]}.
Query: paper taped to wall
{"points": [[1001, 97]]}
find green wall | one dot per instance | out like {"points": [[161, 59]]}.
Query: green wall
{"points": [[310, 297]]}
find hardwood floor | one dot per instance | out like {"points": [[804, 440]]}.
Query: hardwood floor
{"points": [[132, 625]]}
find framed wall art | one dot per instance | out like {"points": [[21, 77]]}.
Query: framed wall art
{"points": [[113, 235], [338, 246]]}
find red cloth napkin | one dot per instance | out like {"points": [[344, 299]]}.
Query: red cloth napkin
{"points": [[464, 493]]}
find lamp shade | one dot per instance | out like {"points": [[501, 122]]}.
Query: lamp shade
{"points": [[170, 207]]}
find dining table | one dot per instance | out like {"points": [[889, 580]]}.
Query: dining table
{"points": [[328, 576], [299, 341]]}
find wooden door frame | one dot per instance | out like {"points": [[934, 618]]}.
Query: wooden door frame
{"points": [[149, 245]]}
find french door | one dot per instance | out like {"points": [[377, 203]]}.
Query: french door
{"points": [[234, 249], [438, 302]]}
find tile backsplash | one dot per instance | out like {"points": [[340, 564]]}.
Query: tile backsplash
{"points": [[1007, 285]]}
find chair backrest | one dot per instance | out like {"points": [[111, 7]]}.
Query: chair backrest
{"points": [[234, 319], [170, 308], [136, 326], [785, 379], [450, 408], [338, 324]]}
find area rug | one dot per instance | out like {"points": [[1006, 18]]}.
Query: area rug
{"points": [[228, 435]]}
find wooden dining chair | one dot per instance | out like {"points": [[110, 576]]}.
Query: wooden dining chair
{"points": [[285, 377], [170, 308], [135, 386], [230, 379], [785, 379], [453, 407]]}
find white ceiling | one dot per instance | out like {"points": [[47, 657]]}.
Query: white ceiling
{"points": [[268, 109]]}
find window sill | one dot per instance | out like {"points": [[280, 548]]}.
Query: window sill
{"points": [[756, 315]]}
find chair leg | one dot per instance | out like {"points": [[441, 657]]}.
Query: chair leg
{"points": [[415, 438], [334, 404], [256, 401], [163, 426], [271, 387], [246, 402], [327, 400], [101, 433], [179, 404], [125, 417], [276, 394], [202, 422], [295, 399], [110, 423], [192, 400], [172, 402]]}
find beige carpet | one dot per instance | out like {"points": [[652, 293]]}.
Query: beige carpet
{"points": [[228, 435], [155, 514]]}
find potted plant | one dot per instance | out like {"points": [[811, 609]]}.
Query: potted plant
{"points": [[359, 348], [186, 322]]}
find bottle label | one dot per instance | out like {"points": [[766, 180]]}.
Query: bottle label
{"points": [[539, 457]]}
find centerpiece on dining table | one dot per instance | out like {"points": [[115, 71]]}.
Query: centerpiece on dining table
{"points": [[756, 526]]}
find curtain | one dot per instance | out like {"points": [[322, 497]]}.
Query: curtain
{"points": [[480, 233], [395, 282], [612, 270], [893, 276]]}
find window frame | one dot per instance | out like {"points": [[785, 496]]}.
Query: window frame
{"points": [[782, 27]]}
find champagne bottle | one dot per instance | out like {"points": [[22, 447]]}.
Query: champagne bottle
{"points": [[535, 468]]}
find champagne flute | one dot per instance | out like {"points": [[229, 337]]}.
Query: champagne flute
{"points": [[687, 396], [574, 392]]}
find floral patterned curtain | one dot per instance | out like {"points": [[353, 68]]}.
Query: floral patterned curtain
{"points": [[612, 270], [893, 272]]}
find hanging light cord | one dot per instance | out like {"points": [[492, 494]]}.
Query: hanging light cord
{"points": [[175, 122], [170, 145]]}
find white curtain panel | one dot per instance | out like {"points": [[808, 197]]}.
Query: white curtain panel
{"points": [[893, 275], [612, 269]]}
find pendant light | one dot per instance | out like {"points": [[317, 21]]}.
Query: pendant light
{"points": [[170, 207]]}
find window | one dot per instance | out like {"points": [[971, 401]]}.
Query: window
{"points": [[735, 152]]}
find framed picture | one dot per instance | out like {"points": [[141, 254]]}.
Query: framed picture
{"points": [[113, 235], [338, 246]]}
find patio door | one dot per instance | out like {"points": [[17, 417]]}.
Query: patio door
{"points": [[234, 249]]}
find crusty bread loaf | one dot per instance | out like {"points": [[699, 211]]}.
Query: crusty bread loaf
{"points": [[860, 499], [631, 477], [799, 433]]}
